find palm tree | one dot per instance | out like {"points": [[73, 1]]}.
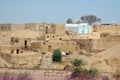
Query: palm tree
{"points": [[90, 19]]}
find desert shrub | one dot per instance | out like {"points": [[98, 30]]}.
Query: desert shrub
{"points": [[84, 74], [57, 57], [93, 71], [77, 62], [37, 66], [80, 73]]}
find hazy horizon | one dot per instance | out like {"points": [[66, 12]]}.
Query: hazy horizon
{"points": [[53, 11]]}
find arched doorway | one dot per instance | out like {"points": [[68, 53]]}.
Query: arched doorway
{"points": [[25, 44], [49, 48]]}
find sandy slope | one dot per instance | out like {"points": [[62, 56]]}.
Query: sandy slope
{"points": [[106, 61], [109, 60]]}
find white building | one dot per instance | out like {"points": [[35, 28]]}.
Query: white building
{"points": [[79, 28]]}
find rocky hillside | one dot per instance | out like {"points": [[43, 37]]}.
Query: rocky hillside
{"points": [[109, 60]]}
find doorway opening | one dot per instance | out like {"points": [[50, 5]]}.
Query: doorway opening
{"points": [[50, 48], [17, 51], [25, 44]]}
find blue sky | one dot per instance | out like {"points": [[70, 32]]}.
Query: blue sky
{"points": [[57, 11]]}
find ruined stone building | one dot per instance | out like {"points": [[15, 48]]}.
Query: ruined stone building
{"points": [[47, 37], [11, 27], [42, 37], [5, 27]]}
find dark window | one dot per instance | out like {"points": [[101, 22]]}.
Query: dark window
{"points": [[17, 51], [47, 36], [44, 43], [12, 39], [60, 38], [2, 28], [25, 44], [16, 41]]}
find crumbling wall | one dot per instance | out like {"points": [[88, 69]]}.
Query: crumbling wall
{"points": [[5, 27], [106, 42], [52, 45], [107, 28], [85, 44], [11, 27]]}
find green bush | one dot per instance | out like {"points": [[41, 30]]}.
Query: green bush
{"points": [[77, 62], [57, 57], [93, 71]]}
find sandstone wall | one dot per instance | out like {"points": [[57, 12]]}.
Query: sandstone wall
{"points": [[50, 46], [20, 42], [106, 42], [107, 28], [11, 27], [60, 29], [5, 27]]}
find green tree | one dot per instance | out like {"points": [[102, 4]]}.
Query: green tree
{"points": [[56, 57], [69, 20], [90, 19]]}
